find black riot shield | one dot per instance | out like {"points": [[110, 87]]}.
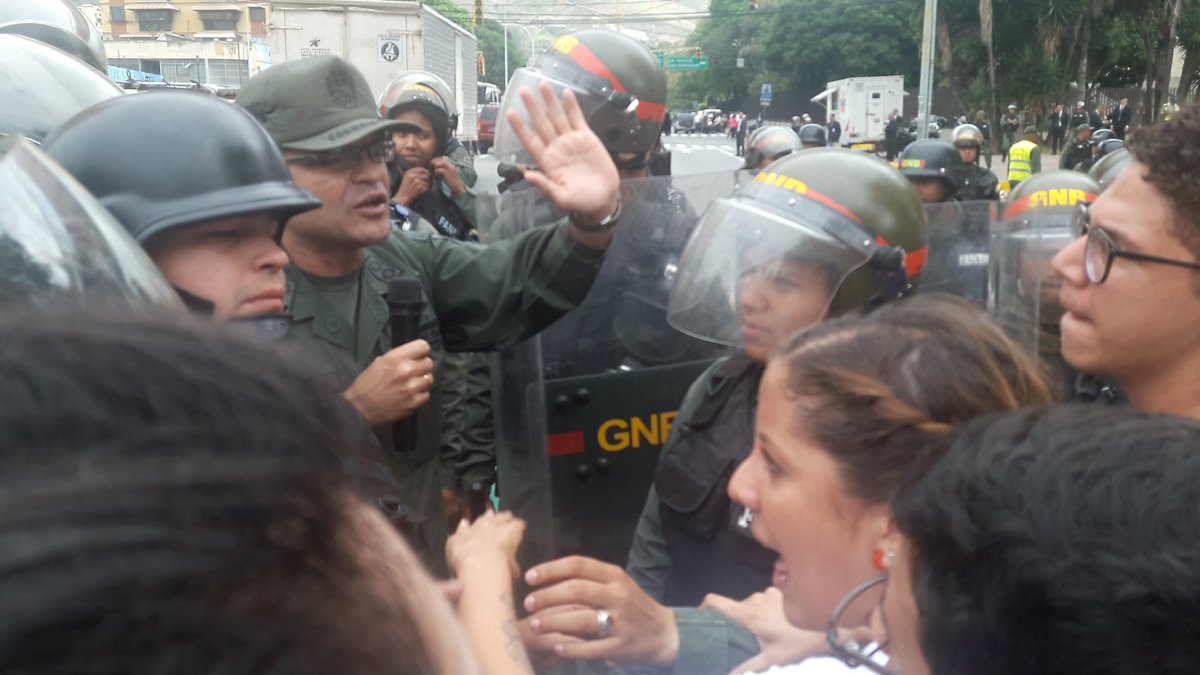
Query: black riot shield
{"points": [[583, 409], [1024, 286], [958, 249], [57, 244]]}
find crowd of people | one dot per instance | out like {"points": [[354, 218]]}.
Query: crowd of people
{"points": [[239, 388]]}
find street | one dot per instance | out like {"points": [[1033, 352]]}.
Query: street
{"points": [[690, 153]]}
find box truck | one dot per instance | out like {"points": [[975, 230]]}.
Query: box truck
{"points": [[384, 39], [862, 105]]}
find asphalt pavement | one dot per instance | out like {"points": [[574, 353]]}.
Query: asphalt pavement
{"points": [[704, 153]]}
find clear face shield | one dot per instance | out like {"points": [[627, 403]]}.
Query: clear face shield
{"points": [[57, 244], [752, 273], [1025, 288], [613, 114]]}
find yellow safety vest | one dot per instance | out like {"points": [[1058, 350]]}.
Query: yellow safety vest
{"points": [[1020, 161]]}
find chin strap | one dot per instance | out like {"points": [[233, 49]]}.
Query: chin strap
{"points": [[195, 304]]}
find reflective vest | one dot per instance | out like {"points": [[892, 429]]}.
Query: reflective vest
{"points": [[1020, 161]]}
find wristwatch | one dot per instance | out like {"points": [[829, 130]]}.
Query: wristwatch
{"points": [[604, 225]]}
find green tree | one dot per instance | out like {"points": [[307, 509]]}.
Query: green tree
{"points": [[490, 35]]}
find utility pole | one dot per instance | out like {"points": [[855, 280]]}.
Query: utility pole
{"points": [[928, 44]]}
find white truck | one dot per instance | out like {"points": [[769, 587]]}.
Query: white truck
{"points": [[862, 105], [384, 39]]}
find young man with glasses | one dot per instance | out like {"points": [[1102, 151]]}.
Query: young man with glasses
{"points": [[322, 114], [1131, 282]]}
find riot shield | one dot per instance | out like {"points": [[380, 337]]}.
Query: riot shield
{"points": [[1025, 287], [57, 244], [958, 249], [583, 409]]}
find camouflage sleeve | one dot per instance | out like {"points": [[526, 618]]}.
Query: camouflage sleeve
{"points": [[710, 642], [465, 201], [649, 559], [489, 297], [477, 450], [457, 154], [452, 378]]}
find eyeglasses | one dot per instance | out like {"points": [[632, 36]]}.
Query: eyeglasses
{"points": [[855, 653], [1101, 250], [345, 159]]}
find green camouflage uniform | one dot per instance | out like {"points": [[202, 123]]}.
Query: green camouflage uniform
{"points": [[476, 298]]}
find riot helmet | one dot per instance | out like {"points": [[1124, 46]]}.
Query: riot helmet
{"points": [[967, 136], [770, 143], [406, 93], [44, 87], [1105, 170], [1101, 135], [412, 88], [847, 220], [932, 158], [812, 136], [225, 166], [1035, 224], [621, 89], [57, 244], [57, 23], [1108, 146]]}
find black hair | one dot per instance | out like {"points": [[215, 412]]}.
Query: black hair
{"points": [[1059, 540], [437, 119], [172, 501]]}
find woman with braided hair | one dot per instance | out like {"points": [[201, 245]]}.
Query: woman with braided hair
{"points": [[849, 412]]}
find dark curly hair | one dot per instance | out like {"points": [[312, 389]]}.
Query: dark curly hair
{"points": [[1170, 151]]}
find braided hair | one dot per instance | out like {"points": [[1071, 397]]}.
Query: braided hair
{"points": [[879, 391]]}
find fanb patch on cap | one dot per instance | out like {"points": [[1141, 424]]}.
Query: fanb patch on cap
{"points": [[340, 85], [912, 164]]}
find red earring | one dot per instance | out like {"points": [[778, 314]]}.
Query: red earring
{"points": [[877, 560]]}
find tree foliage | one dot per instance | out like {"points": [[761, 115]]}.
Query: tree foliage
{"points": [[1042, 51]]}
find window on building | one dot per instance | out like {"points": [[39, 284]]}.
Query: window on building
{"points": [[117, 14], [183, 70], [154, 20], [258, 14], [227, 72], [219, 20]]}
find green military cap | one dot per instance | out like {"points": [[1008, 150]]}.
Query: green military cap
{"points": [[314, 104], [1083, 127], [1030, 130]]}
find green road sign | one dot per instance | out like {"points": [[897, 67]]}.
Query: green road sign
{"points": [[687, 63]]}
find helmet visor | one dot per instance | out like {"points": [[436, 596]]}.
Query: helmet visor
{"points": [[611, 114], [748, 272]]}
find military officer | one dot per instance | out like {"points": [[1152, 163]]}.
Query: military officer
{"points": [[322, 115], [978, 183]]}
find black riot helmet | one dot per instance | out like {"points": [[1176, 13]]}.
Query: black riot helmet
{"points": [[59, 24], [770, 143], [427, 93], [1108, 146], [621, 89], [931, 158], [1106, 169], [812, 136], [411, 92], [1101, 135], [847, 217], [223, 165], [50, 86]]}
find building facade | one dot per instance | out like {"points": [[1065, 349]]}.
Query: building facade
{"points": [[202, 41]]}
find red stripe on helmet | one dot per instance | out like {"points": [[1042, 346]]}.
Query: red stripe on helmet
{"points": [[646, 110]]}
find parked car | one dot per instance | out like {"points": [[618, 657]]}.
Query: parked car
{"points": [[487, 126], [681, 122]]}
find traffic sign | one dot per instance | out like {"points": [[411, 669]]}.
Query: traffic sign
{"points": [[687, 63], [767, 88]]}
